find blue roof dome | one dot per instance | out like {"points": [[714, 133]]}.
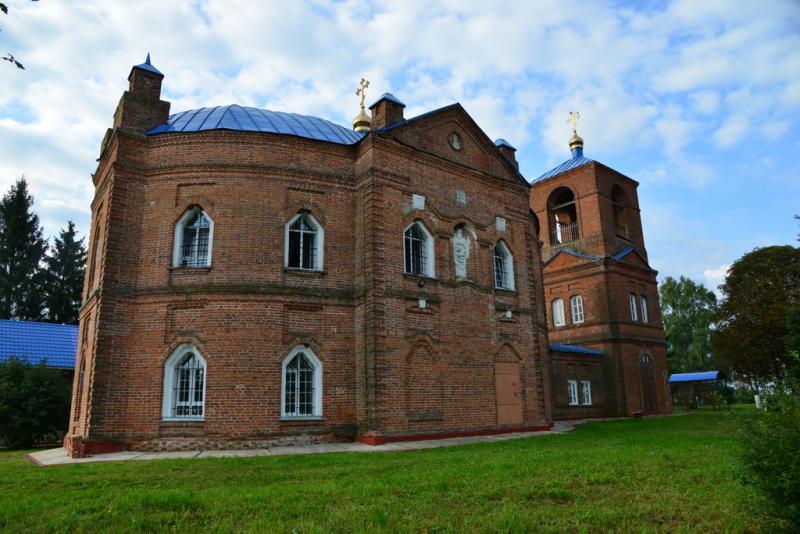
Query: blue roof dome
{"points": [[247, 119]]}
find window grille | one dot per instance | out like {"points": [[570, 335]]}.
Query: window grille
{"points": [[302, 244], [500, 272], [299, 387], [586, 392], [572, 392], [415, 244], [195, 244], [188, 387], [576, 309], [632, 302], [558, 312], [643, 302]]}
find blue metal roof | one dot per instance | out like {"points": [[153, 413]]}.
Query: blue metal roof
{"points": [[34, 342], [249, 119], [503, 142], [622, 253], [387, 96], [148, 66], [572, 163], [695, 377], [574, 348]]}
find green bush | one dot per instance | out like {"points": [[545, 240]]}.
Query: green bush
{"points": [[34, 403], [769, 453]]}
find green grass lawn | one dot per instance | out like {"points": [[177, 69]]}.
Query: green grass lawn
{"points": [[652, 474]]}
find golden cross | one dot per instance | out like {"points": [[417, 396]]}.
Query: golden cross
{"points": [[361, 91], [573, 120]]}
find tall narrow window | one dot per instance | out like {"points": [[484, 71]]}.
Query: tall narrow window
{"points": [[632, 302], [558, 312], [503, 267], [586, 392], [184, 384], [304, 242], [302, 384], [193, 235], [572, 392], [645, 314], [576, 309], [418, 250]]}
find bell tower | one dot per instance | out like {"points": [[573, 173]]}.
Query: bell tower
{"points": [[601, 293]]}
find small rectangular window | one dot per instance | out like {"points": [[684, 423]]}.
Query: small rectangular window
{"points": [[632, 302], [645, 317], [572, 392], [586, 392], [558, 312]]}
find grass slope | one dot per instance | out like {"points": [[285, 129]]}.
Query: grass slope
{"points": [[653, 474]]}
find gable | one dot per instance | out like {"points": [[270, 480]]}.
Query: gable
{"points": [[566, 258], [631, 256], [433, 132]]}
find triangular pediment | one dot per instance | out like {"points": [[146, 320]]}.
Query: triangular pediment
{"points": [[452, 134], [566, 258], [631, 256]]}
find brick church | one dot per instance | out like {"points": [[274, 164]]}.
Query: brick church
{"points": [[258, 278]]}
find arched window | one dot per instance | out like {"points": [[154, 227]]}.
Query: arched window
{"points": [[576, 309], [301, 385], [619, 201], [184, 384], [304, 240], [643, 309], [632, 303], [562, 216], [558, 312], [193, 238], [503, 266], [418, 250]]}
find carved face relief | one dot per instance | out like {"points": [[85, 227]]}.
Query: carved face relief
{"points": [[461, 249]]}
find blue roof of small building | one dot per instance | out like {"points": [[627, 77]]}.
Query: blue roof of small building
{"points": [[249, 119], [574, 348], [503, 142], [387, 96], [695, 377], [572, 163], [34, 342], [148, 66]]}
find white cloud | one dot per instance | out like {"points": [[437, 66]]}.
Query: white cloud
{"points": [[715, 276]]}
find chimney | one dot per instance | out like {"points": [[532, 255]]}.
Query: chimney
{"points": [[141, 107], [387, 110], [508, 151]]}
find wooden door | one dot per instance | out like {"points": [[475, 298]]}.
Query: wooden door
{"points": [[509, 394], [647, 373]]}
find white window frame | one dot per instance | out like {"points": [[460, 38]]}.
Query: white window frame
{"points": [[317, 364], [586, 392], [177, 241], [319, 242], [508, 266], [430, 260], [558, 313], [168, 398], [632, 303], [572, 392], [576, 309], [643, 309]]}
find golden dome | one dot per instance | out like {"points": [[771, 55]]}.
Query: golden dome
{"points": [[362, 122]]}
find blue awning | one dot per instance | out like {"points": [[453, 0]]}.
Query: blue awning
{"points": [[695, 377]]}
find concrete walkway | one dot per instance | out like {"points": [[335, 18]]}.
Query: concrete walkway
{"points": [[59, 456]]}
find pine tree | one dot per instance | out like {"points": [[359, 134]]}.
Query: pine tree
{"points": [[21, 251], [66, 264]]}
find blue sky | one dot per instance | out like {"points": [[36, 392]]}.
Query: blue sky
{"points": [[698, 101]]}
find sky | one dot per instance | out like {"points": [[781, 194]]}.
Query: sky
{"points": [[699, 101]]}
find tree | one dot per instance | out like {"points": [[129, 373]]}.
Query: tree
{"points": [[66, 264], [21, 251], [34, 402], [688, 310], [751, 330]]}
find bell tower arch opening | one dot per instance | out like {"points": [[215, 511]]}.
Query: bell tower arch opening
{"points": [[562, 215]]}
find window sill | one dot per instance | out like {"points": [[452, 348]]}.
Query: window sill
{"points": [[421, 277], [183, 269], [183, 420], [304, 272], [505, 290], [290, 418]]}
